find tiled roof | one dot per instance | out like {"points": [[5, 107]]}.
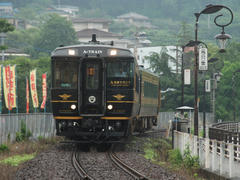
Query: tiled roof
{"points": [[99, 33], [88, 20]]}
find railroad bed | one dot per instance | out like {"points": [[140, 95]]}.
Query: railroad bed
{"points": [[56, 163]]}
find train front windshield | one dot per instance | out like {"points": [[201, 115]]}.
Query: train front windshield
{"points": [[119, 70], [65, 74]]}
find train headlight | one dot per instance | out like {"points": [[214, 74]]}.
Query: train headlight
{"points": [[73, 106], [71, 52], [113, 52], [110, 107]]}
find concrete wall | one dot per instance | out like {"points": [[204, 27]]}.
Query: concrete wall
{"points": [[215, 156]]}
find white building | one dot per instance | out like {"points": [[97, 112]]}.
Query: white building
{"points": [[94, 23], [142, 52]]}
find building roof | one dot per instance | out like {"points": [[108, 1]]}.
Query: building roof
{"points": [[133, 15], [99, 33], [90, 20]]}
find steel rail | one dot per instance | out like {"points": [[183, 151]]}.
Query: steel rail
{"points": [[81, 172], [132, 172]]}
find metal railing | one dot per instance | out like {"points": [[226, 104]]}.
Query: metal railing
{"points": [[228, 132]]}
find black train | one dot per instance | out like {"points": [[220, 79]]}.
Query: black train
{"points": [[99, 94]]}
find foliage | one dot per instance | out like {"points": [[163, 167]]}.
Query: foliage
{"points": [[162, 147], [18, 159], [190, 161], [54, 32], [4, 148], [5, 26], [175, 157], [23, 134], [24, 40]]}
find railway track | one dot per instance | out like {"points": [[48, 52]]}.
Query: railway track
{"points": [[119, 165], [81, 172], [132, 172]]}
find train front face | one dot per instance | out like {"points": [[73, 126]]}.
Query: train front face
{"points": [[92, 92]]}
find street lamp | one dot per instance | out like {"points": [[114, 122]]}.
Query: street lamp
{"points": [[234, 93], [210, 9]]}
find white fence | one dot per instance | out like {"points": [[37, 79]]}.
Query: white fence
{"points": [[39, 124], [216, 156]]}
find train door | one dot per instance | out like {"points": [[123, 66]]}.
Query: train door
{"points": [[92, 91]]}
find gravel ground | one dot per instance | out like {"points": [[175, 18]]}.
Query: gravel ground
{"points": [[56, 164]]}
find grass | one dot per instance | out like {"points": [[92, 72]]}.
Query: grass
{"points": [[159, 151], [17, 159], [17, 153]]}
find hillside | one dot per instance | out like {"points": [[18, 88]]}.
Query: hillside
{"points": [[166, 15]]}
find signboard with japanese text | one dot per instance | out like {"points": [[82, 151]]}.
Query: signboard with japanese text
{"points": [[9, 86], [33, 88], [203, 59], [44, 90]]}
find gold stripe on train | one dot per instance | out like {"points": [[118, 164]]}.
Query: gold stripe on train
{"points": [[120, 101], [116, 118], [61, 101], [67, 117]]}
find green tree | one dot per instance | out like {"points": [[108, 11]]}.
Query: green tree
{"points": [[54, 32], [5, 27], [23, 40], [159, 65]]}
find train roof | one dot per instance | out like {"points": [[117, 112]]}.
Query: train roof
{"points": [[83, 50]]}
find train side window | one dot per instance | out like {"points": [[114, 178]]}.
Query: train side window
{"points": [[65, 74]]}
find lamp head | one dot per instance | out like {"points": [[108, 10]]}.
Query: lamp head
{"points": [[210, 9], [222, 41]]}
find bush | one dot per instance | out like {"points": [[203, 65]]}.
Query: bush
{"points": [[19, 137], [3, 148], [190, 161], [175, 157], [162, 148], [23, 134]]}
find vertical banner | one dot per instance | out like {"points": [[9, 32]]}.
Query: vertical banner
{"points": [[187, 76], [33, 88], [27, 95], [12, 86], [44, 90], [6, 84], [9, 86], [1, 89]]}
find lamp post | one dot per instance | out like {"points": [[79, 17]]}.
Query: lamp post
{"points": [[234, 93], [210, 9]]}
